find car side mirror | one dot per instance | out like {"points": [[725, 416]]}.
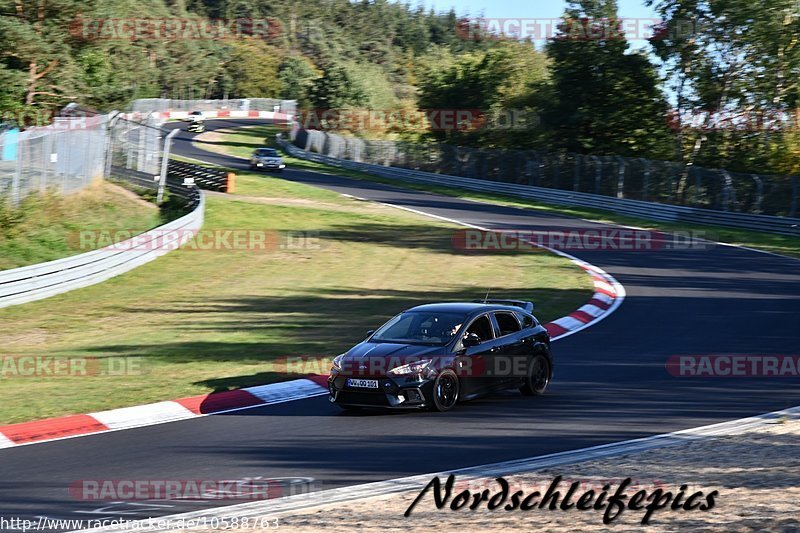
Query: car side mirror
{"points": [[370, 332], [471, 339]]}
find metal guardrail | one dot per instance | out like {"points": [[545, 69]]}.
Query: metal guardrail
{"points": [[206, 178], [646, 180], [36, 282], [190, 194], [634, 208]]}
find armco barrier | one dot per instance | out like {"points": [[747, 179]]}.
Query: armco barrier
{"points": [[190, 194], [36, 282], [205, 178], [634, 208]]}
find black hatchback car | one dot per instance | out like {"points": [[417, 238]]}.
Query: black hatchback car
{"points": [[435, 355]]}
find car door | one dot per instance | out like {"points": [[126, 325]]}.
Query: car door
{"points": [[511, 356], [475, 364]]}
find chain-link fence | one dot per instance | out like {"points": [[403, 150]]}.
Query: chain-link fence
{"points": [[637, 179], [148, 105], [65, 156], [135, 145], [74, 151]]}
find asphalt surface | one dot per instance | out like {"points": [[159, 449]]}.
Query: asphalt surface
{"points": [[610, 383]]}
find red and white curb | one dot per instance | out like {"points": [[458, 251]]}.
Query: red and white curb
{"points": [[608, 296], [161, 412]]}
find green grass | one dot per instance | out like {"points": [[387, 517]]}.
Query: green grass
{"points": [[202, 321], [47, 226], [241, 144]]}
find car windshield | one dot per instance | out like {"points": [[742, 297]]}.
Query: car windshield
{"points": [[267, 152], [418, 327]]}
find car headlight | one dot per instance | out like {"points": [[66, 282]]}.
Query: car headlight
{"points": [[419, 368], [337, 362]]}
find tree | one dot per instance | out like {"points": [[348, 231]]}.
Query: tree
{"points": [[337, 89], [605, 100], [296, 75], [254, 67], [735, 67], [502, 79], [34, 40]]}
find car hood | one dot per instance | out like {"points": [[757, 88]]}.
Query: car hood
{"points": [[375, 358]]}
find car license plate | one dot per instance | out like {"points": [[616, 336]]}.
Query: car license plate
{"points": [[363, 383]]}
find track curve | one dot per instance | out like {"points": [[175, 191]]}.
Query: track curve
{"points": [[611, 382]]}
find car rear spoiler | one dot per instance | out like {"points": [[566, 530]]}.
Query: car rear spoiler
{"points": [[526, 306]]}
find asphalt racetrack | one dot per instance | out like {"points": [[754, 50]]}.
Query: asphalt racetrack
{"points": [[610, 385]]}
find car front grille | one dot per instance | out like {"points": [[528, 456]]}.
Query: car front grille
{"points": [[377, 399]]}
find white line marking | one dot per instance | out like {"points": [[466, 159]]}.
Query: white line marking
{"points": [[299, 502]]}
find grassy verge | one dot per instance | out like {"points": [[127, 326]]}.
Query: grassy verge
{"points": [[194, 321], [240, 143], [45, 227]]}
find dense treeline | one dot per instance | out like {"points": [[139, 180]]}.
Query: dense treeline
{"points": [[715, 60]]}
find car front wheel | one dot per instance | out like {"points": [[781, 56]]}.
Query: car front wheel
{"points": [[538, 377], [445, 391]]}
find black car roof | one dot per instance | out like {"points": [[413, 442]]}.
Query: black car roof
{"points": [[464, 307]]}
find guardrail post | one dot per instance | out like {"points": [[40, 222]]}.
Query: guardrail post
{"points": [[530, 169], [557, 171], [726, 190], [112, 122], [577, 172], [646, 184], [47, 153], [129, 144], [598, 172], [621, 178], [793, 208], [17, 170], [675, 171], [142, 144], [759, 194], [698, 183], [164, 165]]}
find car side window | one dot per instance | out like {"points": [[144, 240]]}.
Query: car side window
{"points": [[527, 320], [481, 327], [507, 322]]}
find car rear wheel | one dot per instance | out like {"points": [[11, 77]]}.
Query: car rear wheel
{"points": [[538, 377], [445, 391]]}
